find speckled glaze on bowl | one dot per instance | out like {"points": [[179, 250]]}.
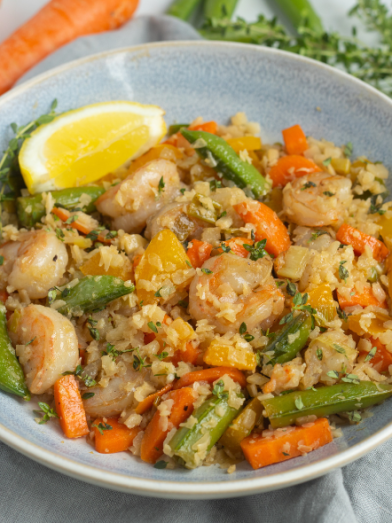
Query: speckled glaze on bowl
{"points": [[213, 80]]}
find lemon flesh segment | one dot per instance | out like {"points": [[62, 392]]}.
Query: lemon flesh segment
{"points": [[83, 145]]}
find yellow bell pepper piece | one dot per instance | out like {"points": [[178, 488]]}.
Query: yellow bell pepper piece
{"points": [[321, 299], [92, 267], [249, 143], [386, 230], [153, 154], [341, 165], [243, 425], [374, 326], [218, 354], [164, 267]]}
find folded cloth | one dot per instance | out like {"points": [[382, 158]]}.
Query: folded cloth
{"points": [[31, 493]]}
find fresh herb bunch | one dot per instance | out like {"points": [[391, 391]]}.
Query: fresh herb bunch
{"points": [[370, 64], [10, 178]]}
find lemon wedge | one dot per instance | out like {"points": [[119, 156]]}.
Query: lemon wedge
{"points": [[81, 146]]}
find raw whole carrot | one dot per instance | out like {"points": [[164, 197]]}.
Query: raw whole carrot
{"points": [[155, 434], [56, 24], [69, 407], [210, 375], [382, 359], [286, 443], [295, 140], [116, 439], [267, 225], [289, 168], [198, 252], [364, 299], [63, 214], [237, 246], [148, 402], [350, 236]]}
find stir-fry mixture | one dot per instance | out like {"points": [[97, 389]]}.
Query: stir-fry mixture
{"points": [[218, 299]]}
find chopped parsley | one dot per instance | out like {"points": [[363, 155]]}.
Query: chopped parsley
{"points": [[88, 395], [343, 272], [339, 348], [243, 328], [334, 374], [222, 215], [182, 190], [60, 234], [152, 326], [371, 354], [329, 193], [319, 354], [308, 185], [316, 234], [225, 248], [161, 185], [162, 355], [138, 362], [218, 390], [299, 302], [342, 315], [206, 271], [88, 380], [101, 427], [351, 378], [158, 293], [376, 207], [327, 161], [257, 250], [291, 288], [71, 219]]}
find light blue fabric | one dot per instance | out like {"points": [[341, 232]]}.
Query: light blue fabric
{"points": [[31, 493]]}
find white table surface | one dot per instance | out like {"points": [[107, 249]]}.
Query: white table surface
{"points": [[14, 13]]}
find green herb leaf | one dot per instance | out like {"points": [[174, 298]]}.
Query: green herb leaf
{"points": [[371, 354], [343, 272], [152, 326], [46, 412], [101, 427], [218, 390], [319, 354], [291, 288], [206, 271], [348, 149], [299, 403], [354, 416], [243, 328], [329, 193], [339, 348], [88, 395], [308, 185], [326, 162], [334, 374], [161, 185], [160, 465]]}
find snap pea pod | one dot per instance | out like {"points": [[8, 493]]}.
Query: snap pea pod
{"points": [[11, 374], [321, 402], [219, 8], [90, 293], [285, 350], [183, 9], [221, 157], [176, 127], [243, 425], [213, 417], [30, 209]]}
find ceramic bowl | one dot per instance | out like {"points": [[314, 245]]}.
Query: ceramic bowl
{"points": [[214, 80]]}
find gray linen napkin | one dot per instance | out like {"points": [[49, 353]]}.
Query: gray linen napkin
{"points": [[31, 493]]}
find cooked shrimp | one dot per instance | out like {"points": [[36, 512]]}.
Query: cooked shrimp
{"points": [[34, 263], [285, 377], [331, 351], [317, 199], [46, 345], [140, 195], [116, 396], [174, 217], [238, 290]]}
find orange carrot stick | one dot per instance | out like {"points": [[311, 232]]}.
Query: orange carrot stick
{"points": [[237, 246], [286, 444], [364, 299], [198, 252], [63, 214], [58, 23], [157, 430], [208, 127], [116, 439], [189, 355], [382, 359], [267, 225], [3, 296], [210, 375], [148, 402], [69, 407], [295, 140], [359, 241], [289, 168]]}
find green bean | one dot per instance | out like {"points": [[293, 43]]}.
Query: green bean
{"points": [[176, 127], [213, 417], [221, 157], [219, 8], [11, 374], [89, 294], [344, 397], [285, 350], [183, 9], [299, 10], [31, 209]]}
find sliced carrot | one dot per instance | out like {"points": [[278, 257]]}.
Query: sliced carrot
{"points": [[148, 402], [116, 439], [64, 214], [198, 252], [382, 359], [295, 140], [208, 127], [289, 168], [3, 296], [56, 24], [155, 434], [237, 246], [350, 236], [69, 407], [267, 225], [82, 354], [364, 299], [149, 337], [285, 443], [210, 375], [189, 355]]}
